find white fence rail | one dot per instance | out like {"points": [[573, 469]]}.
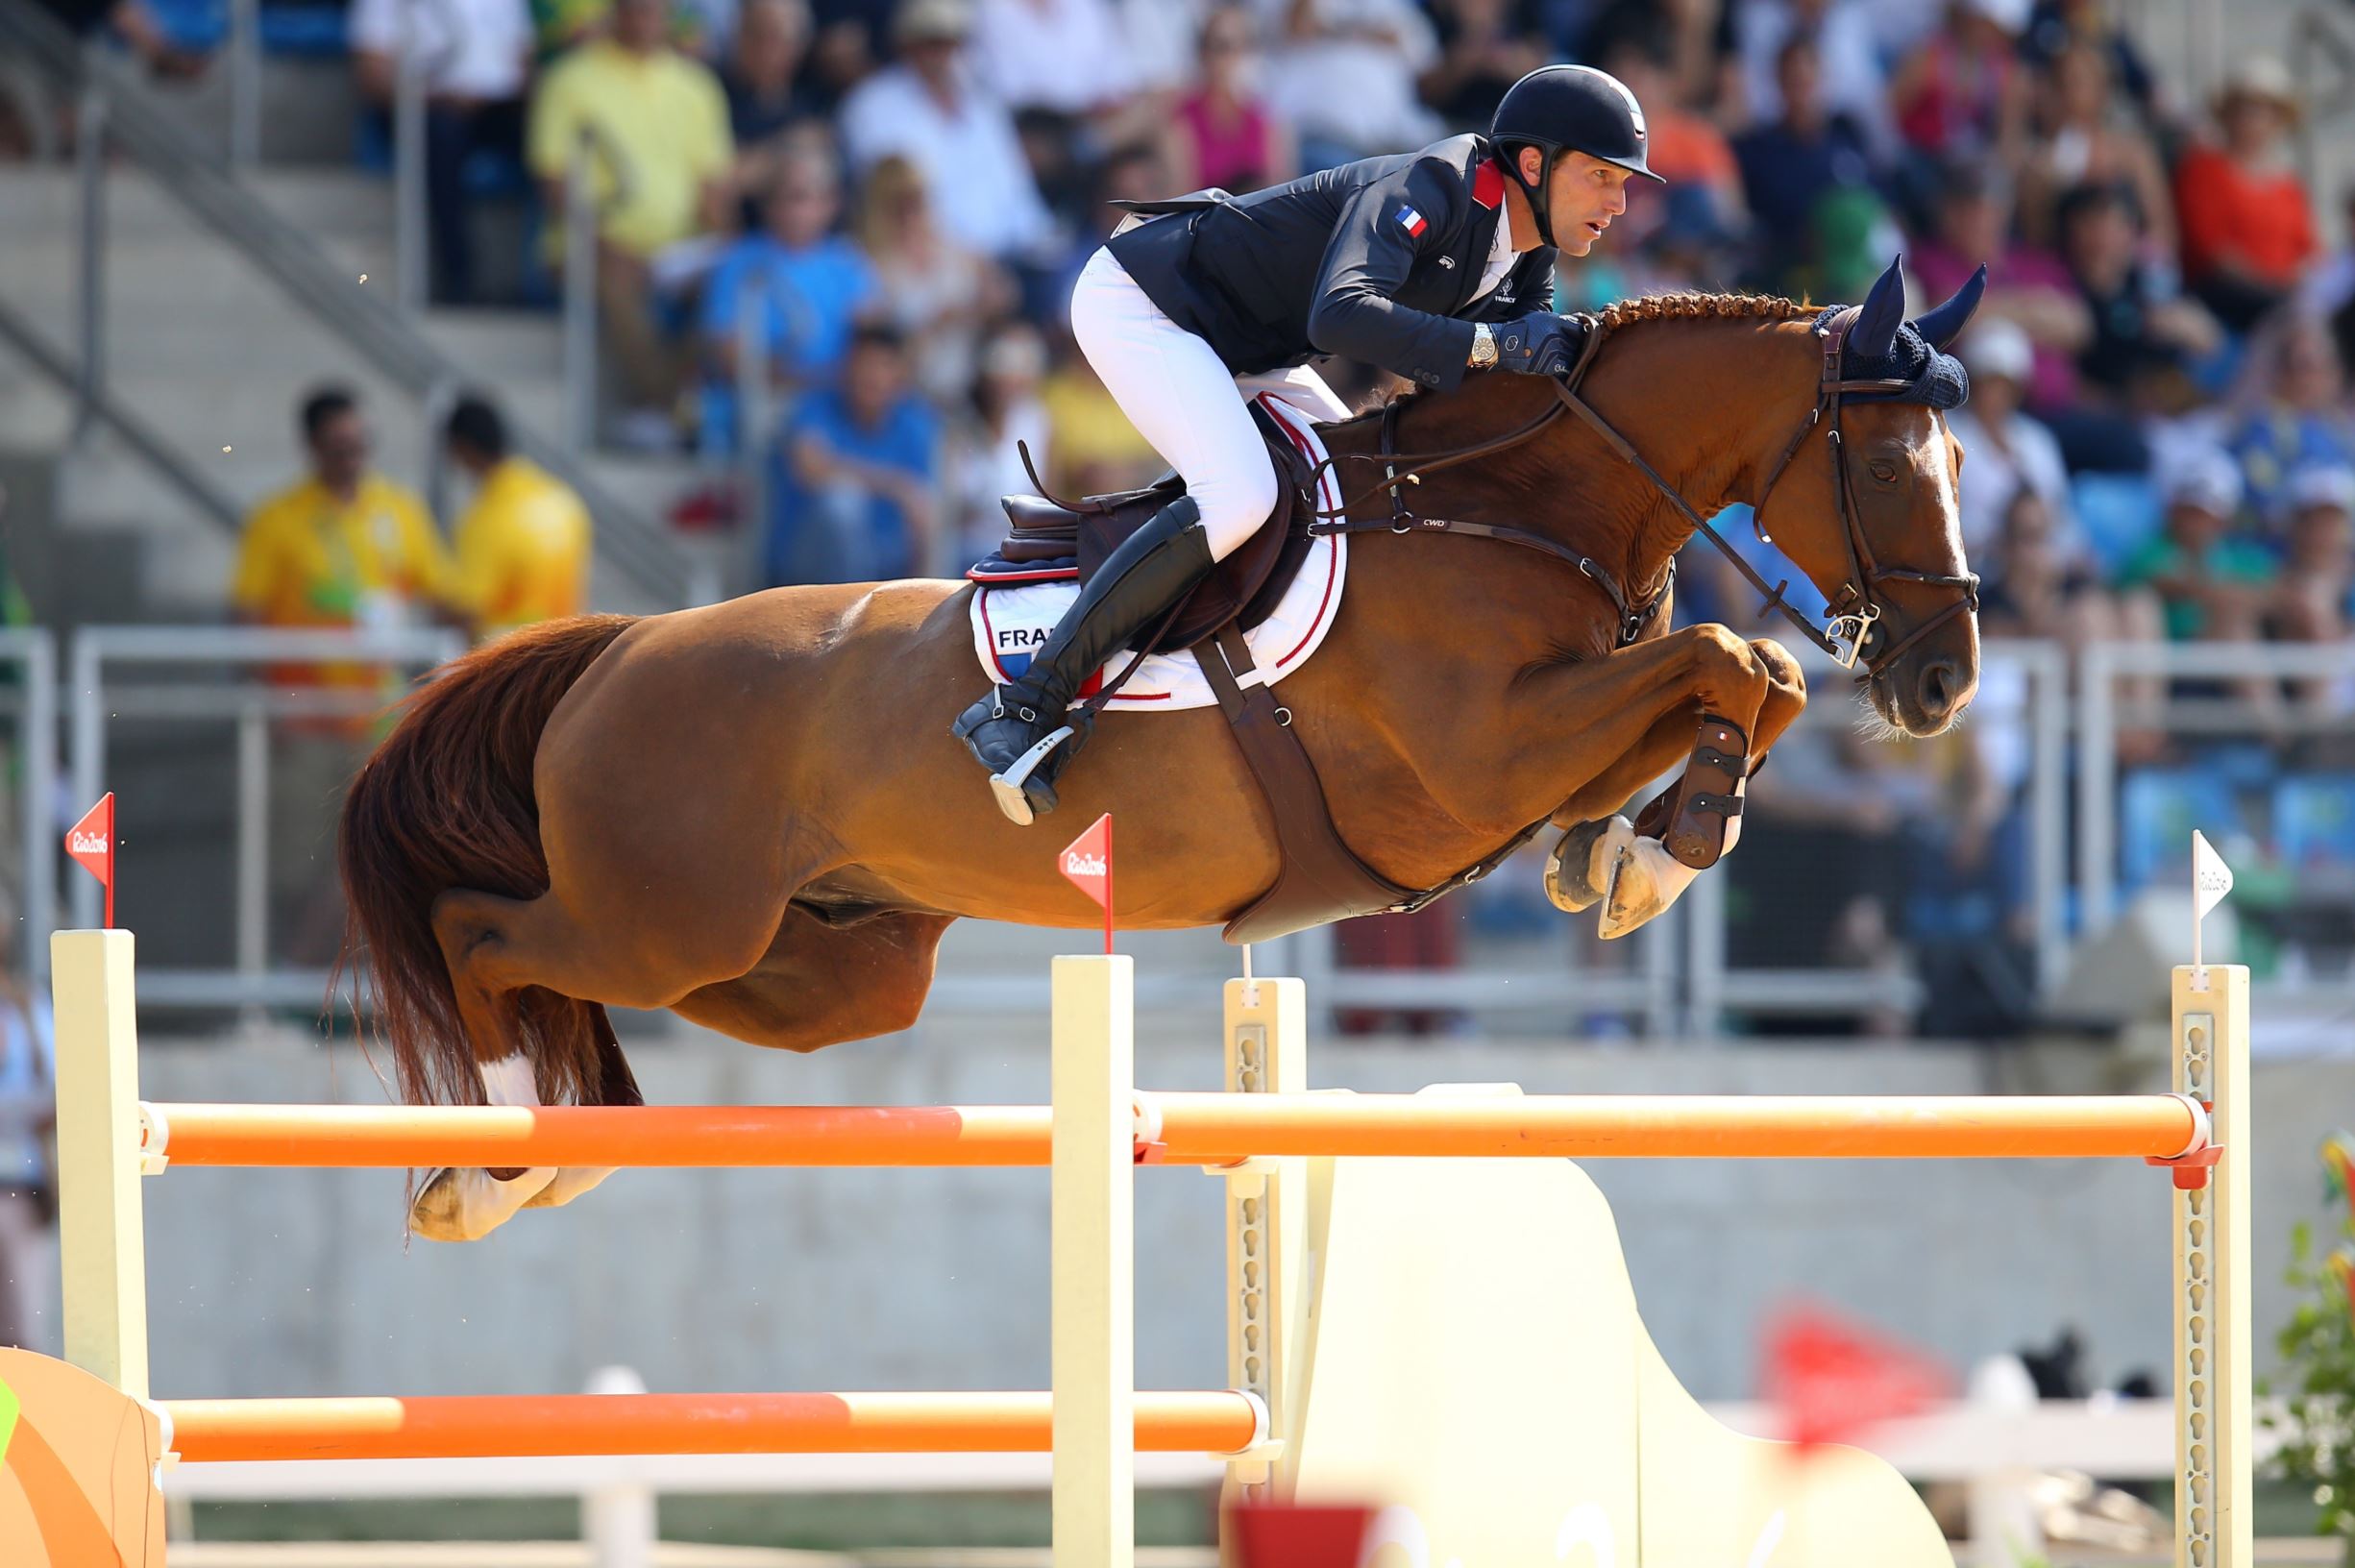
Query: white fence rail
{"points": [[1674, 980]]}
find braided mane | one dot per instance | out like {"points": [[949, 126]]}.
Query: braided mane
{"points": [[1682, 305], [1695, 306]]}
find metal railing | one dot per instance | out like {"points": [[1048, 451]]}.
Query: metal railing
{"points": [[2103, 713], [31, 654], [1676, 982], [580, 300], [413, 271], [756, 430], [96, 405], [102, 700]]}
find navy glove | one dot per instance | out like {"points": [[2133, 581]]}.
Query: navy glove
{"points": [[1540, 343]]}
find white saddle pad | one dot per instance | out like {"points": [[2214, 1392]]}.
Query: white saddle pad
{"points": [[1011, 621]]}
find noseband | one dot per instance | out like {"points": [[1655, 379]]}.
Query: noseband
{"points": [[1855, 621]]}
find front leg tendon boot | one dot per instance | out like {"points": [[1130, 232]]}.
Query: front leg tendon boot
{"points": [[1019, 731]]}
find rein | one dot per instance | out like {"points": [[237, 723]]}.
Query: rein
{"points": [[1855, 616], [1633, 621]]}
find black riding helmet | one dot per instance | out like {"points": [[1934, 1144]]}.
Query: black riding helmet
{"points": [[1573, 109]]}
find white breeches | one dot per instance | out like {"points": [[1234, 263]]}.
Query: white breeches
{"points": [[1184, 401]]}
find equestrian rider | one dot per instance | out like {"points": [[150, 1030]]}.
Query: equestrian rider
{"points": [[1426, 265]]}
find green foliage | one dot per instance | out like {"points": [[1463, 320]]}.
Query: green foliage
{"points": [[2316, 1416]]}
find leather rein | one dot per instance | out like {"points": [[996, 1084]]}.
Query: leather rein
{"points": [[1854, 620]]}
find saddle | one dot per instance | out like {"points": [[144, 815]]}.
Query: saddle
{"points": [[1049, 539], [1319, 878]]}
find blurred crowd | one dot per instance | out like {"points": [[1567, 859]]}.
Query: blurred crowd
{"points": [[843, 235]]}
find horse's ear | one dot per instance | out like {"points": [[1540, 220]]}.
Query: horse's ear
{"points": [[1879, 316], [1943, 324]]}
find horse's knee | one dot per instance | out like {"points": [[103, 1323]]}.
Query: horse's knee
{"points": [[1732, 676], [1785, 679]]}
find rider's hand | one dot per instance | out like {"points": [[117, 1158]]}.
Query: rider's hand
{"points": [[1540, 343]]}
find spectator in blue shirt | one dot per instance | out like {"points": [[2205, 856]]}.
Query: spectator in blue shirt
{"points": [[804, 285], [858, 494], [2291, 412], [1789, 164]]}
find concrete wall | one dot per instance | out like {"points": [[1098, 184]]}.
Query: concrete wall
{"points": [[299, 1282]]}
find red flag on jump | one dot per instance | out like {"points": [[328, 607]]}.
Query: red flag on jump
{"points": [[1833, 1382], [1086, 863], [91, 841]]}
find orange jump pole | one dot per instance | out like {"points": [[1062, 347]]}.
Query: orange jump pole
{"points": [[488, 1426], [638, 1134], [1215, 1129], [1187, 1129]]}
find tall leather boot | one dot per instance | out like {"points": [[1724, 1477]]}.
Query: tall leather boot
{"points": [[1018, 730]]}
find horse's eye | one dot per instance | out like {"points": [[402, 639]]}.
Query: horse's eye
{"points": [[1884, 471]]}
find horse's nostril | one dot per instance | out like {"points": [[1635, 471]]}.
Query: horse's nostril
{"points": [[1941, 683]]}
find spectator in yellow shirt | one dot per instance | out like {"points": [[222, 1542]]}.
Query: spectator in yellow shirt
{"points": [[346, 547], [655, 124], [522, 547]]}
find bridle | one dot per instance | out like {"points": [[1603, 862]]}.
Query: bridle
{"points": [[1855, 613], [1855, 617]]}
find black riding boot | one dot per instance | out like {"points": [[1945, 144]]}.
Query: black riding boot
{"points": [[1018, 730]]}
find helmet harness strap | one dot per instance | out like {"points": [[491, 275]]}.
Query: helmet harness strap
{"points": [[1538, 194]]}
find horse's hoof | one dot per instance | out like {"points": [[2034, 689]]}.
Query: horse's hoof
{"points": [[1644, 882], [438, 1213], [1578, 872], [468, 1204]]}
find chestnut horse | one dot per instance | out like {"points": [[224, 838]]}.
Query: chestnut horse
{"points": [[753, 814]]}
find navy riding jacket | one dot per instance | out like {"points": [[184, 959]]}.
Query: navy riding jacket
{"points": [[1373, 260]]}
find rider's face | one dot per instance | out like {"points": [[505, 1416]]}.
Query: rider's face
{"points": [[1584, 195]]}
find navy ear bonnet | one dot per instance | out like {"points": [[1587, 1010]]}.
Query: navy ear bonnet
{"points": [[1882, 345]]}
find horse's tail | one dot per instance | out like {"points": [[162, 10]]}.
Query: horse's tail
{"points": [[445, 801]]}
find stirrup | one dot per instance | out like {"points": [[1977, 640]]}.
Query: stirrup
{"points": [[1013, 788]]}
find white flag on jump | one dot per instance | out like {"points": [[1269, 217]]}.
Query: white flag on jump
{"points": [[2211, 880], [2210, 877]]}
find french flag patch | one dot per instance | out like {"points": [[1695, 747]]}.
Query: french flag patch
{"points": [[1413, 221]]}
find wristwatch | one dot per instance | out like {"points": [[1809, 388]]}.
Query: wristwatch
{"points": [[1483, 346]]}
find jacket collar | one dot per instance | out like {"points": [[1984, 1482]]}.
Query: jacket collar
{"points": [[1488, 190]]}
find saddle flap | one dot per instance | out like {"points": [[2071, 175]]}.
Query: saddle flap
{"points": [[1247, 585]]}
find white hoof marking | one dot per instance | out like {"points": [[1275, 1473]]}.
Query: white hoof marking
{"points": [[571, 1183], [1643, 883]]}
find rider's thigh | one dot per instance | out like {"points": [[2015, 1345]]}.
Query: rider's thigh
{"points": [[1181, 398]]}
